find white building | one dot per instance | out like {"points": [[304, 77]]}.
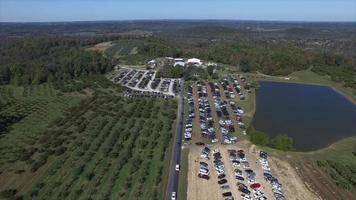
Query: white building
{"points": [[194, 62]]}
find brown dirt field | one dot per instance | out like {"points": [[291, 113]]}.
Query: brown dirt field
{"points": [[199, 188], [293, 186], [101, 47]]}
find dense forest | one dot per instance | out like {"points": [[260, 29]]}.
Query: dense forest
{"points": [[280, 58], [43, 59], [48, 57]]}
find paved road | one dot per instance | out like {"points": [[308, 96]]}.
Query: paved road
{"points": [[173, 179]]}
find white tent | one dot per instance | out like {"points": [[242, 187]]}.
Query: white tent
{"points": [[179, 63], [194, 61]]}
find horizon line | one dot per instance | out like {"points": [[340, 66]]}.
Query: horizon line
{"points": [[163, 19]]}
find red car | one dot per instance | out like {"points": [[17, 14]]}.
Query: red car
{"points": [[238, 118], [203, 176], [255, 185]]}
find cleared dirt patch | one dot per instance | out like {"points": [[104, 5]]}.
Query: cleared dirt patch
{"points": [[199, 188], [101, 47], [319, 180]]}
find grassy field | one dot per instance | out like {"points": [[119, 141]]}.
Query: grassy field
{"points": [[127, 51], [99, 146], [183, 175]]}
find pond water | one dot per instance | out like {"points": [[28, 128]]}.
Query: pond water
{"points": [[314, 116]]}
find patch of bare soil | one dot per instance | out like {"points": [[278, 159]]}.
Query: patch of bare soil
{"points": [[319, 181], [101, 47], [199, 188]]}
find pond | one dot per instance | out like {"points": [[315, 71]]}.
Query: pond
{"points": [[314, 116]]}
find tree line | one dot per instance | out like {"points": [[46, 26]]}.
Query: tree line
{"points": [[282, 142], [279, 58], [38, 60], [48, 58]]}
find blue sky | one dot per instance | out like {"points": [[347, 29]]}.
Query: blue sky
{"points": [[87, 10]]}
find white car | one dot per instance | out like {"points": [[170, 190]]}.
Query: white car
{"points": [[264, 167], [177, 167], [173, 196], [203, 170], [245, 196]]}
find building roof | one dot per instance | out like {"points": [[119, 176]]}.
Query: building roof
{"points": [[178, 59], [180, 63], [194, 60]]}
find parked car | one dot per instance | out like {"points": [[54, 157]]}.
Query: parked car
{"points": [[227, 194], [200, 143], [222, 181], [225, 187], [240, 178], [221, 176]]}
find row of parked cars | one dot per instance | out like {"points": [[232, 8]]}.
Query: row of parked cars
{"points": [[229, 93], [238, 160], [189, 120], [237, 111], [128, 77], [205, 115], [117, 77], [276, 186], [203, 166], [164, 87], [238, 89], [176, 87], [226, 125], [191, 115], [191, 109], [135, 93], [220, 170], [155, 83], [146, 79], [135, 79], [246, 83]]}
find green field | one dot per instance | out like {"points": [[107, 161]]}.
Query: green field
{"points": [[76, 146], [127, 51], [183, 175]]}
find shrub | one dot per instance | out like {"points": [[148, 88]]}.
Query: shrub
{"points": [[283, 142], [8, 193], [258, 137], [60, 151]]}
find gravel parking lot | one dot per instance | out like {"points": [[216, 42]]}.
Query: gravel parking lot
{"points": [[199, 188], [144, 82]]}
